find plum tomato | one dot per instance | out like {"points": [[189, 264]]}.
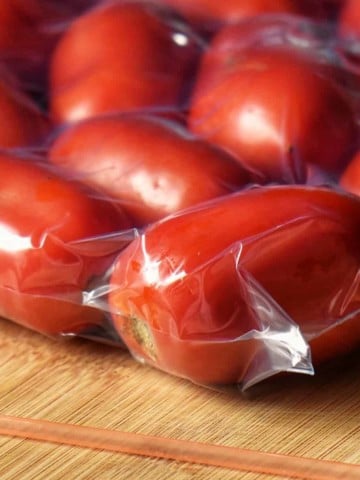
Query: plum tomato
{"points": [[153, 166], [122, 56], [189, 294], [45, 219], [276, 109]]}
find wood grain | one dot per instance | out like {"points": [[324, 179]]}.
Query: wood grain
{"points": [[85, 383]]}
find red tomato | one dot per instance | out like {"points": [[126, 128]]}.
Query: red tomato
{"points": [[276, 110], [22, 123], [121, 57], [209, 15], [45, 261], [28, 32], [349, 24], [185, 293], [350, 179], [154, 166]]}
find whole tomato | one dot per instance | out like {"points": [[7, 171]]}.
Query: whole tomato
{"points": [[45, 260], [274, 108], [350, 179], [122, 56], [153, 166], [199, 294], [22, 122]]}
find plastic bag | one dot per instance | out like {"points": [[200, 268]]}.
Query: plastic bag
{"points": [[127, 219]]}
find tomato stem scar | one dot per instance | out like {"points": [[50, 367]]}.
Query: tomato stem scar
{"points": [[141, 333]]}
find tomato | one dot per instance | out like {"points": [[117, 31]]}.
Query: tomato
{"points": [[121, 56], [209, 15], [153, 166], [189, 295], [349, 24], [275, 109], [45, 261], [28, 32], [22, 122], [350, 179]]}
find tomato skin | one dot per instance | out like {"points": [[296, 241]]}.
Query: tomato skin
{"points": [[210, 15], [29, 30], [22, 122], [182, 302], [275, 109], [350, 179], [349, 22], [121, 57], [153, 166], [43, 272]]}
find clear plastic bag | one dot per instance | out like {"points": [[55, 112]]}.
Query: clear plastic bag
{"points": [[128, 217]]}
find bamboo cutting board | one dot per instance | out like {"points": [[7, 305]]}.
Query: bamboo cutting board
{"points": [[84, 383]]}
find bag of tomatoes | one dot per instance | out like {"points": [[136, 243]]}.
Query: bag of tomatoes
{"points": [[182, 179]]}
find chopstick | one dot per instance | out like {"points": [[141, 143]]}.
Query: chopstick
{"points": [[178, 450]]}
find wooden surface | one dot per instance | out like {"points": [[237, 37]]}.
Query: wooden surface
{"points": [[90, 384]]}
